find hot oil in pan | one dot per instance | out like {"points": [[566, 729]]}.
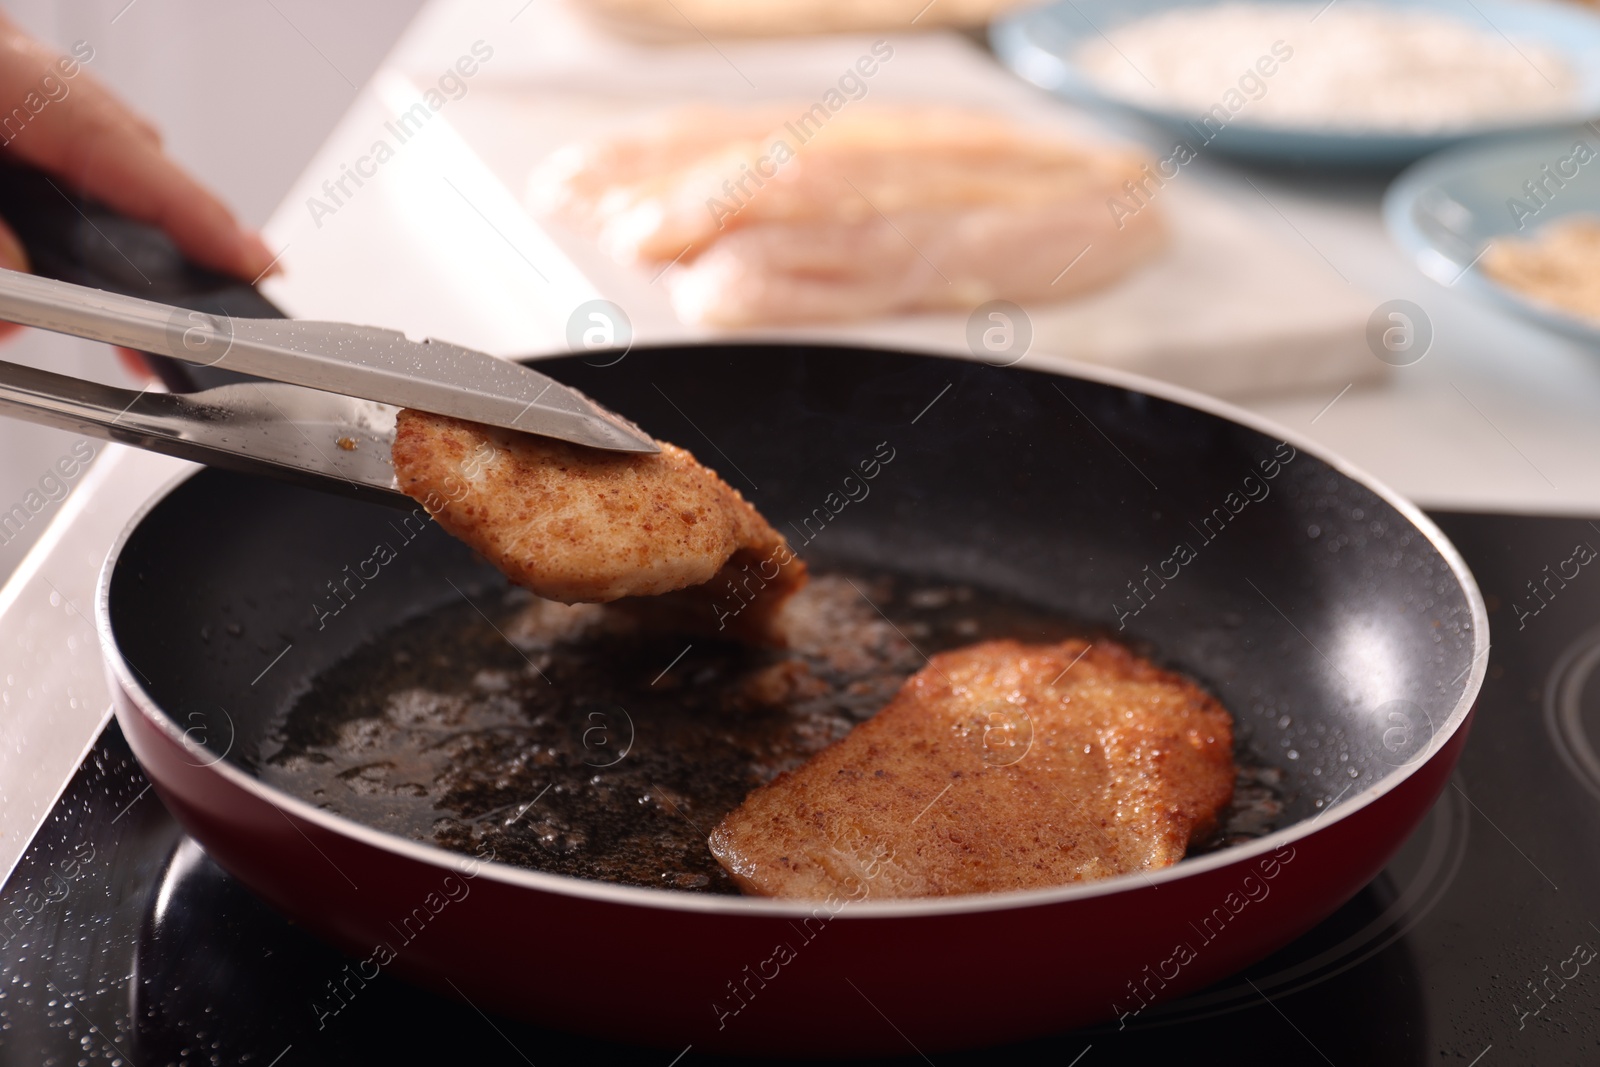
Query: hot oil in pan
{"points": [[569, 740]]}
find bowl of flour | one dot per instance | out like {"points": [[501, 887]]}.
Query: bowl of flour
{"points": [[1358, 82]]}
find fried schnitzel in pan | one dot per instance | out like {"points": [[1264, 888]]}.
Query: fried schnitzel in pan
{"points": [[999, 766]]}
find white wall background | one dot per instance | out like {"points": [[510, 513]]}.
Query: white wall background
{"points": [[244, 91]]}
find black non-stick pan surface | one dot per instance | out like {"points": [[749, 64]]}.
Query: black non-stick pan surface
{"points": [[1066, 492]]}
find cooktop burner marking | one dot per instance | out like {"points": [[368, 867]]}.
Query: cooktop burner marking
{"points": [[1563, 709], [1444, 835]]}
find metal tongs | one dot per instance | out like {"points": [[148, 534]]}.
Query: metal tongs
{"points": [[327, 415]]}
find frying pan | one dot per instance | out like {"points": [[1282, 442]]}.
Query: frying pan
{"points": [[1334, 620], [1331, 617]]}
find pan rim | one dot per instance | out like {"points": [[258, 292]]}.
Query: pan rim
{"points": [[924, 907]]}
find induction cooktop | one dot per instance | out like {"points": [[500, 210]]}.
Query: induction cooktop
{"points": [[121, 942]]}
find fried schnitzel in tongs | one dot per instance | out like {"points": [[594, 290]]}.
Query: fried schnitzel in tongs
{"points": [[567, 498]]}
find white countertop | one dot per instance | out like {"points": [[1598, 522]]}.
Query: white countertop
{"points": [[1498, 416]]}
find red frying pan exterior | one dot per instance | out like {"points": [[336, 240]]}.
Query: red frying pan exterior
{"points": [[769, 984]]}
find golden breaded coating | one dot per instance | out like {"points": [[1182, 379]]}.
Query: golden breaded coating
{"points": [[1000, 766], [578, 524]]}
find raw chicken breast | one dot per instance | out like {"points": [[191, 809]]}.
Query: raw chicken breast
{"points": [[789, 215]]}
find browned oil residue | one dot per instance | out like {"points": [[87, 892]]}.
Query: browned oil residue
{"points": [[571, 740]]}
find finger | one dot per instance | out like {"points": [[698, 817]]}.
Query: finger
{"points": [[12, 257], [135, 177], [103, 96], [101, 148]]}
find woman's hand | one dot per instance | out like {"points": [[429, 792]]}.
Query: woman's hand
{"points": [[55, 116]]}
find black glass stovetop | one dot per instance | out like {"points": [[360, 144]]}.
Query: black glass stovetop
{"points": [[121, 942]]}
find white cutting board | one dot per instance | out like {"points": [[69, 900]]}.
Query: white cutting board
{"points": [[1230, 309]]}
